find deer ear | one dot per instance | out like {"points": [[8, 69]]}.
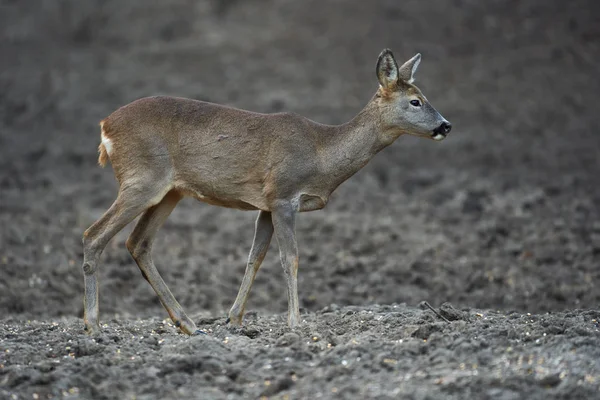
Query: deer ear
{"points": [[407, 70], [387, 69]]}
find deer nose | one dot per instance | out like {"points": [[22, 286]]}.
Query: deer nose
{"points": [[444, 128]]}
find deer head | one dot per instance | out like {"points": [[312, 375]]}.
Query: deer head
{"points": [[403, 108]]}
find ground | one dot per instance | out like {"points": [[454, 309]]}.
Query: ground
{"points": [[497, 226], [353, 352]]}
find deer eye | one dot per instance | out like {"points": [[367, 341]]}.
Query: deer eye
{"points": [[415, 103]]}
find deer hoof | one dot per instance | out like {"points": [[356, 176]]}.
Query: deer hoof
{"points": [[234, 321], [91, 329]]}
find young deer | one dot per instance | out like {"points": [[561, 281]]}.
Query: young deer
{"points": [[164, 148]]}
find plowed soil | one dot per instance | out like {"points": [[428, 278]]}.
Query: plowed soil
{"points": [[497, 227]]}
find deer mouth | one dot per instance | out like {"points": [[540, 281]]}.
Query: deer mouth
{"points": [[438, 136]]}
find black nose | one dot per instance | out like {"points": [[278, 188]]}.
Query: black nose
{"points": [[444, 128]]}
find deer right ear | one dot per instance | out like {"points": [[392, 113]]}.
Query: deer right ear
{"points": [[407, 70], [387, 69]]}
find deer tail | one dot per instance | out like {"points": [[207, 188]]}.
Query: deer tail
{"points": [[103, 155], [102, 150]]}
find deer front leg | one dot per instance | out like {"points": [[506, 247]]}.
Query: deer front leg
{"points": [[262, 238], [284, 222]]}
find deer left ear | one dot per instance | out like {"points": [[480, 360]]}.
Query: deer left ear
{"points": [[408, 69], [387, 69]]}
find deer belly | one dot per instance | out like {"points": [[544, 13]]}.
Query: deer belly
{"points": [[229, 199], [228, 203]]}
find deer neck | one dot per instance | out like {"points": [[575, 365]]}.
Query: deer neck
{"points": [[350, 146]]}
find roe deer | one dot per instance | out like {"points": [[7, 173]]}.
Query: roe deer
{"points": [[164, 148]]}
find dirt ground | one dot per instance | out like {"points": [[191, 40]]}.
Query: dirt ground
{"points": [[498, 226]]}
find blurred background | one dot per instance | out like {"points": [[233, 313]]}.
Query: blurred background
{"points": [[503, 214]]}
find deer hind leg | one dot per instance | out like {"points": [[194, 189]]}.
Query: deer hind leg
{"points": [[262, 238], [131, 201], [139, 245], [284, 222]]}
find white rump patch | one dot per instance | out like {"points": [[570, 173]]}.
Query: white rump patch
{"points": [[106, 142]]}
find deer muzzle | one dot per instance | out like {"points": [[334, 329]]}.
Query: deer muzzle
{"points": [[441, 131]]}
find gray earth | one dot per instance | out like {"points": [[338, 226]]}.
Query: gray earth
{"points": [[352, 352], [497, 227]]}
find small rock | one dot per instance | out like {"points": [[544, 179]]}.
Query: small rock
{"points": [[44, 366], [425, 330], [250, 332], [86, 347], [213, 366], [287, 339], [152, 372], [450, 313], [555, 330], [208, 320], [550, 380], [251, 315], [150, 341], [278, 386], [222, 381]]}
